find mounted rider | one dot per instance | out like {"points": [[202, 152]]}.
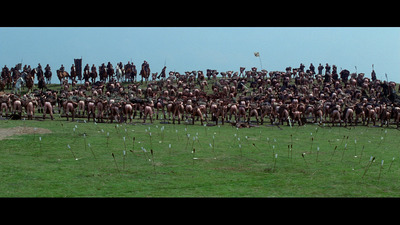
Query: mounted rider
{"points": [[47, 68], [145, 66], [62, 68]]}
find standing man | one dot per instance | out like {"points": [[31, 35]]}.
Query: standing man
{"points": [[320, 68], [327, 69]]}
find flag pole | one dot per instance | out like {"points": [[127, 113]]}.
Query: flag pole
{"points": [[257, 54]]}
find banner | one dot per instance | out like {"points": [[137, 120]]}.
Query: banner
{"points": [[78, 67]]}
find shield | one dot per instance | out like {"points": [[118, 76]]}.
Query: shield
{"points": [[78, 67]]}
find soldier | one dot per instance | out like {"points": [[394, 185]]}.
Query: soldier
{"points": [[162, 74], [320, 68], [327, 69], [47, 68], [312, 68], [373, 76], [5, 71]]}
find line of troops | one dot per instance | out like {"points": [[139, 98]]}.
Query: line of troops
{"points": [[292, 96], [8, 77]]}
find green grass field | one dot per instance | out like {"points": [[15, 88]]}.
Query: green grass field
{"points": [[248, 162]]}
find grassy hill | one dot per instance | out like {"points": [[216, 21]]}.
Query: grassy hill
{"points": [[197, 161]]}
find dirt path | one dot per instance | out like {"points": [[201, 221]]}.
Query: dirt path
{"points": [[7, 132]]}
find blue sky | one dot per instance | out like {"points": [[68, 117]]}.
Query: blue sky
{"points": [[221, 48]]}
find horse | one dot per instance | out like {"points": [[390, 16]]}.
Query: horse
{"points": [[15, 74], [48, 75], [39, 73], [73, 74], [110, 73], [18, 85], [118, 73], [2, 85], [32, 73], [145, 72], [130, 72], [62, 75], [7, 78], [86, 75], [93, 75], [29, 82], [103, 73], [42, 83]]}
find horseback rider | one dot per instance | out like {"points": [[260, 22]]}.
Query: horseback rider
{"points": [[102, 66], [145, 65], [47, 68], [93, 69], [109, 66], [62, 68], [5, 71]]}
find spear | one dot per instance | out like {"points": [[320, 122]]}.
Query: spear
{"points": [[273, 151], [123, 160], [213, 145], [240, 147], [162, 134], [84, 139], [151, 143], [291, 151], [302, 155], [176, 132], [91, 150], [115, 161], [391, 164], [334, 151], [34, 133], [145, 153], [193, 152], [152, 159], [345, 147], [312, 141], [187, 142], [355, 147], [276, 156], [380, 170], [108, 137], [256, 146], [291, 139], [362, 150], [193, 141], [124, 142], [69, 147], [371, 159], [40, 144]]}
